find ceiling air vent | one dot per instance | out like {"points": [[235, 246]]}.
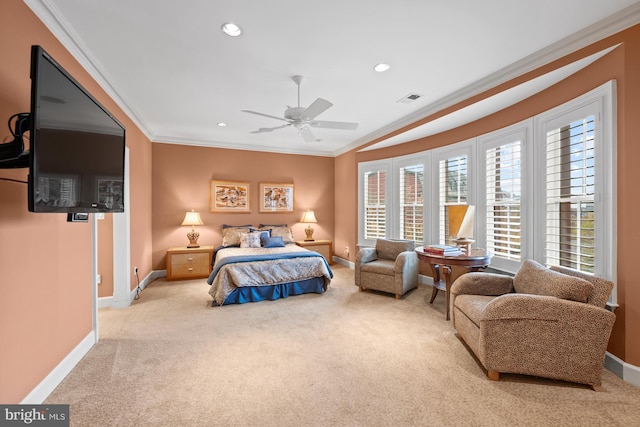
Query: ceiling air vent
{"points": [[409, 98]]}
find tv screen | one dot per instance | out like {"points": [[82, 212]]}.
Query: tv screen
{"points": [[77, 146]]}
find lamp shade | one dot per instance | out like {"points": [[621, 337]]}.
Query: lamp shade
{"points": [[192, 218], [308, 216], [461, 220]]}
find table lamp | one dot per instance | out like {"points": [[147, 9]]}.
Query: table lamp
{"points": [[308, 217], [461, 225], [192, 218]]}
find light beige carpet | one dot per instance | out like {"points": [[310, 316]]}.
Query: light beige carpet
{"points": [[344, 358]]}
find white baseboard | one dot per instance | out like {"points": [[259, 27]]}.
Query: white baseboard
{"points": [[344, 262], [106, 302], [425, 280], [55, 377], [155, 274], [626, 371]]}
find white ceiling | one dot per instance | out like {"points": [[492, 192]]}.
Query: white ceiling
{"points": [[168, 65]]}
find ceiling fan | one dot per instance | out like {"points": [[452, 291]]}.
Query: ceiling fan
{"points": [[304, 118]]}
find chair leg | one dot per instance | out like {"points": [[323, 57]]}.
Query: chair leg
{"points": [[360, 288], [493, 375], [398, 296]]}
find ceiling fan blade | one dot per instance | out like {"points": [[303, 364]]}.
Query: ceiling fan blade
{"points": [[264, 115], [319, 106], [306, 134], [263, 130], [333, 125]]}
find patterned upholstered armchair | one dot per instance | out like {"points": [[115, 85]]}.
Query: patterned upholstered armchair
{"points": [[544, 322], [392, 267]]}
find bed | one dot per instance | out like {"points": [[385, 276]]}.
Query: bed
{"points": [[246, 271]]}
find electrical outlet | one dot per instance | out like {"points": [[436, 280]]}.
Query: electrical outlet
{"points": [[135, 270], [346, 250], [98, 278]]}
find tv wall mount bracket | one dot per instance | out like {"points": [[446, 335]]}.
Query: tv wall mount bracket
{"points": [[12, 153]]}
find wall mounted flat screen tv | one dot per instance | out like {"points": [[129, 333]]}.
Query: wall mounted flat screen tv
{"points": [[77, 147]]}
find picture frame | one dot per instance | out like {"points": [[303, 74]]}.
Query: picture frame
{"points": [[276, 197], [230, 196]]}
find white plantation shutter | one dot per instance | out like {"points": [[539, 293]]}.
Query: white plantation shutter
{"points": [[374, 204], [412, 203], [503, 194], [570, 195], [452, 182]]}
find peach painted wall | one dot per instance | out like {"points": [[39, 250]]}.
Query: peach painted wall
{"points": [[181, 178], [45, 262], [623, 65]]}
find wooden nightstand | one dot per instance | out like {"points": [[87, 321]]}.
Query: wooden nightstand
{"points": [[323, 247], [189, 263]]}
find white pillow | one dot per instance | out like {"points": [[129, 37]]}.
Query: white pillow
{"points": [[250, 240], [285, 232]]}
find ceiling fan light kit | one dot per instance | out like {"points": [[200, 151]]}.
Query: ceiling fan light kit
{"points": [[304, 118]]}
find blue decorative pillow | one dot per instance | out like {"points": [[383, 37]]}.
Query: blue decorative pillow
{"points": [[264, 235], [273, 242]]}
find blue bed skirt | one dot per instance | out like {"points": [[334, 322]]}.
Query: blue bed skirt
{"points": [[245, 294]]}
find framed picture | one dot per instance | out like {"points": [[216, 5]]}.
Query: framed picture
{"points": [[276, 197], [229, 196]]}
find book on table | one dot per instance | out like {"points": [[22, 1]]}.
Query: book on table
{"points": [[443, 250]]}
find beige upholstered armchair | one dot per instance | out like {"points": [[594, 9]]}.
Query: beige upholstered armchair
{"points": [[544, 322], [392, 267]]}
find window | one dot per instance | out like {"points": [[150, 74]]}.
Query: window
{"points": [[452, 178], [575, 185], [375, 213], [412, 203], [392, 200], [503, 195], [570, 195]]}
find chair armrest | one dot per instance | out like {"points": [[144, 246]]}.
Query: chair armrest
{"points": [[405, 262], [478, 283], [363, 256], [366, 255]]}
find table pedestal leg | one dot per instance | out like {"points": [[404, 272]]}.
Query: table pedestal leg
{"points": [[446, 270], [436, 278]]}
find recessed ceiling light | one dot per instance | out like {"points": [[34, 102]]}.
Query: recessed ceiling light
{"points": [[222, 124], [382, 67], [231, 29]]}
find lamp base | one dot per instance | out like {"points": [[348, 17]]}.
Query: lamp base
{"points": [[464, 243], [309, 232], [193, 239]]}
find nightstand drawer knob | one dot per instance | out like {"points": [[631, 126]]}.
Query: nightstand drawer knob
{"points": [[190, 269], [190, 258]]}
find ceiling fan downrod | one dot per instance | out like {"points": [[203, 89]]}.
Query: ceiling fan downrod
{"points": [[298, 82]]}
